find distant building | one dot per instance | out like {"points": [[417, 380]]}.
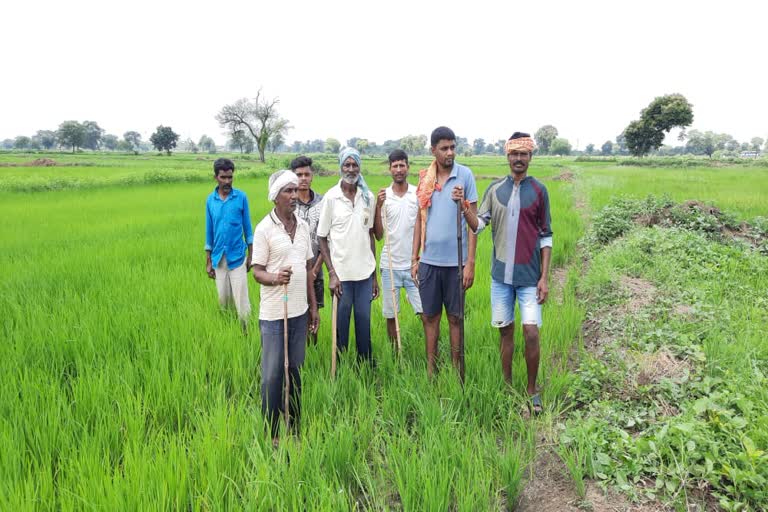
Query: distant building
{"points": [[749, 154]]}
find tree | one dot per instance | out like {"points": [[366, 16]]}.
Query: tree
{"points": [[544, 137], [500, 146], [757, 143], [656, 120], [317, 146], [361, 145], [188, 145], [296, 146], [207, 144], [332, 145], [706, 143], [93, 135], [590, 149], [72, 134], [46, 138], [412, 144], [478, 146], [560, 147], [259, 117], [732, 145], [109, 141], [490, 148], [124, 145], [238, 140], [621, 144], [642, 138], [7, 143], [462, 146], [607, 148], [134, 139], [275, 142], [164, 139], [22, 142]]}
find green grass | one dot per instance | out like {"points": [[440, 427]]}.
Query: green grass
{"points": [[738, 189], [126, 388]]}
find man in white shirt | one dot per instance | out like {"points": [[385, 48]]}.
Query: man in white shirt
{"points": [[398, 201], [283, 256], [345, 233]]}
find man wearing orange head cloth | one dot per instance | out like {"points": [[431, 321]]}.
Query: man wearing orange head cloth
{"points": [[517, 207]]}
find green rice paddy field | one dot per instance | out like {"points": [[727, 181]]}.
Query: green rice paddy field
{"points": [[124, 386]]}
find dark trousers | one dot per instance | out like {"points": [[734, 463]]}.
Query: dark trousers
{"points": [[273, 369], [356, 295]]}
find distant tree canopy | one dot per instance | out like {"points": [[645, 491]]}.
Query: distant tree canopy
{"points": [[164, 139], [207, 144], [656, 120], [560, 147], [332, 145], [590, 149], [275, 142], [706, 143], [413, 144], [71, 134], [46, 138], [240, 140], [134, 141], [607, 148], [93, 135], [478, 146], [544, 137], [259, 116], [109, 141], [22, 142]]}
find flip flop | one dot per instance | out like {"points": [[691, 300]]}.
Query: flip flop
{"points": [[535, 404]]}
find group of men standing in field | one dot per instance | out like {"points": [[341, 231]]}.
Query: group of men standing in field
{"points": [[305, 230]]}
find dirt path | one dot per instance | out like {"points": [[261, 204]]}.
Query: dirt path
{"points": [[549, 487]]}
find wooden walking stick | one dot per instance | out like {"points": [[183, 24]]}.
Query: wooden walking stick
{"points": [[333, 334], [391, 277], [286, 400], [460, 275]]}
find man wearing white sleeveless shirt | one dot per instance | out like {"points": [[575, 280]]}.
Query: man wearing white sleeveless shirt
{"points": [[398, 201]]}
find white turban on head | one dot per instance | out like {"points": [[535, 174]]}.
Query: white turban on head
{"points": [[279, 180]]}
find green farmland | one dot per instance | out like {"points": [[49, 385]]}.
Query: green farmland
{"points": [[125, 387]]}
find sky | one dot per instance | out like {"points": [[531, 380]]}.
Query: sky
{"points": [[383, 70]]}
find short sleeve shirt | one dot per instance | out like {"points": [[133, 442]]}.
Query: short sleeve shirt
{"points": [[272, 248], [440, 241], [347, 226]]}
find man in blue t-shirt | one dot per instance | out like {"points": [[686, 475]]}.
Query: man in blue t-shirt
{"points": [[228, 233], [443, 187]]}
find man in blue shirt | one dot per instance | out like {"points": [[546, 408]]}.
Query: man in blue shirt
{"points": [[443, 187], [228, 233]]}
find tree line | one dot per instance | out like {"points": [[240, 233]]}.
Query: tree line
{"points": [[256, 125]]}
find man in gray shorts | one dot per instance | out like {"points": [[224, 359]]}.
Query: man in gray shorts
{"points": [[441, 186]]}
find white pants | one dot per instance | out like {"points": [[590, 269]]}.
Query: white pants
{"points": [[232, 285]]}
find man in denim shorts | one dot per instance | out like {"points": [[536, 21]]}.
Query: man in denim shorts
{"points": [[400, 208], [517, 206]]}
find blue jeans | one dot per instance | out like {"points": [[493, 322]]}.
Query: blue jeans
{"points": [[356, 295]]}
